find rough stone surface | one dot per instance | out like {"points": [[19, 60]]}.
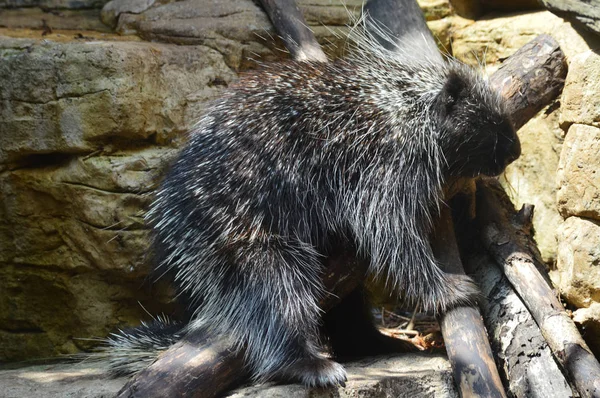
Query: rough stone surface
{"points": [[114, 8], [442, 31], [88, 120], [81, 129], [59, 381], [410, 375], [584, 12], [73, 251], [497, 36], [82, 97], [53, 4], [511, 5], [435, 9], [405, 376], [239, 29], [471, 9], [42, 19], [532, 177], [82, 214], [579, 173], [580, 100], [578, 266], [588, 320]]}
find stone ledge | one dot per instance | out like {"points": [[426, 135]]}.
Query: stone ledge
{"points": [[405, 375]]}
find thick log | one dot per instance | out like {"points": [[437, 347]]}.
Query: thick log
{"points": [[464, 334], [293, 30], [505, 242], [176, 373], [531, 78]]}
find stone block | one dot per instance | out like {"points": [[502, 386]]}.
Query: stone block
{"points": [[578, 273], [579, 173]]}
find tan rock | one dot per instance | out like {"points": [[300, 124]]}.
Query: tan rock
{"points": [[579, 173], [33, 18], [532, 177], [577, 275], [81, 97], [511, 5], [84, 215], [471, 9], [495, 37], [442, 31], [580, 100], [435, 9], [74, 251], [238, 29], [588, 320], [575, 40]]}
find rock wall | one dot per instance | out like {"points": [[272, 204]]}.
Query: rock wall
{"points": [[89, 120], [87, 129], [577, 271]]}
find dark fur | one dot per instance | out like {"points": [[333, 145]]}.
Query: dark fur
{"points": [[296, 154]]}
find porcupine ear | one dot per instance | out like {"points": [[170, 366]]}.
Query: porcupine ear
{"points": [[453, 90]]}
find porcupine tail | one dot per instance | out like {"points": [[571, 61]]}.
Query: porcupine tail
{"points": [[129, 351]]}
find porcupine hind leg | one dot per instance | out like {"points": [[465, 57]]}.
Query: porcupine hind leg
{"points": [[280, 284]]}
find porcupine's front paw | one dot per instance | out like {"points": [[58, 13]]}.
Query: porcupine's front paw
{"points": [[460, 291], [317, 372]]}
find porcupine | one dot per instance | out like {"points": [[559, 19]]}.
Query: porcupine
{"points": [[298, 155]]}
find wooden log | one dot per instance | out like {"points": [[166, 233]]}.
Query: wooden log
{"points": [[293, 30], [525, 362], [464, 334], [504, 241], [176, 372], [531, 78]]}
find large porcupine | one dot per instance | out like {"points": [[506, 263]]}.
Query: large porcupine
{"points": [[298, 155]]}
